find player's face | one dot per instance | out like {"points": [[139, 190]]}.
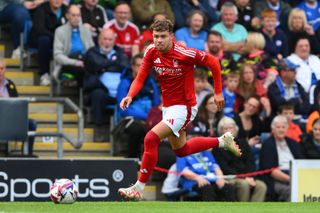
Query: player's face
{"points": [[162, 40], [316, 132], [2, 71]]}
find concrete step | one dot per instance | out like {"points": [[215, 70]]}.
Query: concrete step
{"points": [[52, 117], [71, 132], [103, 147], [34, 90], [21, 78], [42, 107]]}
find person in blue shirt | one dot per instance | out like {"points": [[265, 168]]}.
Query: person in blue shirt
{"points": [[229, 93], [200, 173], [312, 10], [136, 114], [193, 36]]}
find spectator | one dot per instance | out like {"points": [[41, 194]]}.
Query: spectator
{"points": [[280, 7], [246, 16], [46, 19], [294, 131], [234, 35], [277, 152], [276, 40], [310, 144], [298, 25], [312, 10], [312, 117], [146, 37], [308, 72], [194, 35], [182, 7], [71, 41], [229, 94], [248, 188], [250, 86], [8, 89], [200, 82], [215, 48], [126, 31], [201, 173], [249, 123], [15, 13], [143, 11], [93, 16], [287, 90], [104, 65], [138, 110], [208, 116], [256, 56]]}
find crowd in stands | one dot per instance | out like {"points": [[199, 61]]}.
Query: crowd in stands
{"points": [[269, 56]]}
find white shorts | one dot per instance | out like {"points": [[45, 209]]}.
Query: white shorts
{"points": [[177, 117]]}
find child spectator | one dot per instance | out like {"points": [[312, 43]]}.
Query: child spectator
{"points": [[200, 84], [294, 131], [229, 93]]}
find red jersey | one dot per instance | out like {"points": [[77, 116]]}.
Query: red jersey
{"points": [[125, 36], [174, 71]]}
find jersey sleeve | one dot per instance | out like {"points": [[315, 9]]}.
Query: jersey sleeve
{"points": [[142, 74], [205, 59]]}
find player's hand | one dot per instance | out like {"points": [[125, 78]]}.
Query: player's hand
{"points": [[125, 102], [219, 99]]}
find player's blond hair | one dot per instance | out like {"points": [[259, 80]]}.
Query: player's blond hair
{"points": [[162, 26]]}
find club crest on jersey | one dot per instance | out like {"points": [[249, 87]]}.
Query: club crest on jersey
{"points": [[170, 120], [175, 63]]}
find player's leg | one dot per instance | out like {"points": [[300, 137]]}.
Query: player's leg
{"points": [[149, 160]]}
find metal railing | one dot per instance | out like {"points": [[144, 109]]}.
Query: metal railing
{"points": [[76, 143]]}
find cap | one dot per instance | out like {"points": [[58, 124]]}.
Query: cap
{"points": [[286, 64]]}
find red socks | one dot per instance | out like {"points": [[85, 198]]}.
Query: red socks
{"points": [[197, 144], [150, 156]]}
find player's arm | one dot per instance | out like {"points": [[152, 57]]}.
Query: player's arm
{"points": [[137, 83], [205, 59]]}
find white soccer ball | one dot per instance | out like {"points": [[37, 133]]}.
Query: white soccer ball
{"points": [[63, 191]]}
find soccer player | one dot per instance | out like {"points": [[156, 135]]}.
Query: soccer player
{"points": [[174, 65]]}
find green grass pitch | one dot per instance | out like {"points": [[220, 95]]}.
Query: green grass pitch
{"points": [[154, 207]]}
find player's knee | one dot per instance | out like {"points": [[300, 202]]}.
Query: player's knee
{"points": [[151, 140], [181, 152]]}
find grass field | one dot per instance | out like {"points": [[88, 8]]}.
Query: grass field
{"points": [[151, 207]]}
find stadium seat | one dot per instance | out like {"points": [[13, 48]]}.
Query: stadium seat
{"points": [[14, 120]]}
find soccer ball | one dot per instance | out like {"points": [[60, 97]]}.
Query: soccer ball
{"points": [[63, 191]]}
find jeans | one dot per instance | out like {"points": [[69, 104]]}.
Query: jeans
{"points": [[16, 15]]}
